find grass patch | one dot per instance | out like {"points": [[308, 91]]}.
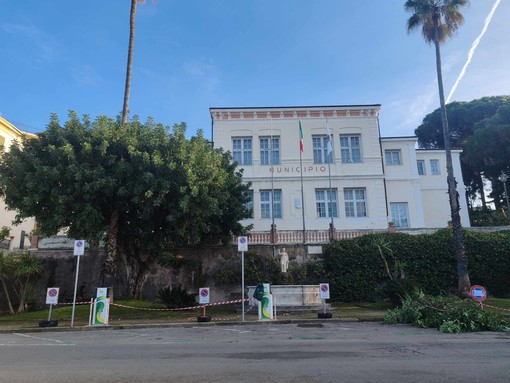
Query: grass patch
{"points": [[137, 311], [503, 303]]}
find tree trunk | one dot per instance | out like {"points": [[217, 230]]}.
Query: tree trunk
{"points": [[112, 251], [464, 283], [137, 271], [127, 88], [22, 295], [482, 193], [7, 297]]}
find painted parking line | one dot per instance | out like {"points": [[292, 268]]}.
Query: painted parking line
{"points": [[42, 341], [38, 338]]}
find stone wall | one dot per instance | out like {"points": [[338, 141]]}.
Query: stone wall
{"points": [[200, 266]]}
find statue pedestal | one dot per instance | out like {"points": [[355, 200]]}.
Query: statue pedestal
{"points": [[292, 296]]}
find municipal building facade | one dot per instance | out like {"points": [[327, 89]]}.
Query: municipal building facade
{"points": [[354, 180]]}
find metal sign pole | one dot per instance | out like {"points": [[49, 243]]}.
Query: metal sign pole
{"points": [[49, 314], [75, 288], [242, 282]]}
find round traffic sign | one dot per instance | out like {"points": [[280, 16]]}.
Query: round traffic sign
{"points": [[478, 293], [204, 292], [324, 288], [79, 243], [52, 292], [243, 240]]}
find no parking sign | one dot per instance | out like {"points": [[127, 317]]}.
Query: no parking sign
{"points": [[324, 290], [52, 296], [79, 247], [478, 293], [204, 295]]}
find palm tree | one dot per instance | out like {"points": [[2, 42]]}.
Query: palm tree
{"points": [[109, 266], [131, 47], [27, 268], [6, 272], [439, 20]]}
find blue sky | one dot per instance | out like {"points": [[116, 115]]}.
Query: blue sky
{"points": [[190, 55]]}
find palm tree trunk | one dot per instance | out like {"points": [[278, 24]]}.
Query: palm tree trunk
{"points": [[464, 283], [7, 297], [125, 108], [23, 295]]}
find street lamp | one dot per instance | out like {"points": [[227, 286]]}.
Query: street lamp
{"points": [[503, 178]]}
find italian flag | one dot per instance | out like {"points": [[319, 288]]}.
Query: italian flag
{"points": [[301, 144]]}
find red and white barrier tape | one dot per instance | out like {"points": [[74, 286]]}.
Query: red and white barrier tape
{"points": [[495, 307], [183, 308], [78, 303]]}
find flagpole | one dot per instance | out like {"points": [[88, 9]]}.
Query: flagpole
{"points": [[329, 153], [272, 181], [301, 172]]}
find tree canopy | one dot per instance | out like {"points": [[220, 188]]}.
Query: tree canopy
{"points": [[165, 189], [482, 153], [462, 117]]}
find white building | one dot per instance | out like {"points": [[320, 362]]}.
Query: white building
{"points": [[368, 181]]}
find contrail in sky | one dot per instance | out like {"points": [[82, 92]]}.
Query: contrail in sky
{"points": [[472, 50]]}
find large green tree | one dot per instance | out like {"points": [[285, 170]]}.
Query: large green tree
{"points": [[463, 119], [163, 189], [439, 20], [488, 150]]}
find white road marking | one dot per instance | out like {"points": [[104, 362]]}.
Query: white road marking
{"points": [[38, 338]]}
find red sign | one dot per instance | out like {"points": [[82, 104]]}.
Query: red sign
{"points": [[478, 293]]}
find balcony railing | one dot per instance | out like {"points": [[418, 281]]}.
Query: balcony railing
{"points": [[296, 236]]}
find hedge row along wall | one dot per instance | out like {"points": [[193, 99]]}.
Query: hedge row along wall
{"points": [[356, 270]]}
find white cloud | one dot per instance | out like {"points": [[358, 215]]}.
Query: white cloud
{"points": [[204, 72], [46, 48], [406, 114], [86, 76]]}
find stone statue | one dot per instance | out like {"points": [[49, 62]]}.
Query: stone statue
{"points": [[284, 260]]}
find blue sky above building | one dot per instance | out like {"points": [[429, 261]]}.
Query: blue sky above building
{"points": [[195, 54]]}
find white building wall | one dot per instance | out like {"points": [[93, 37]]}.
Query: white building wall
{"points": [[383, 185], [434, 188]]}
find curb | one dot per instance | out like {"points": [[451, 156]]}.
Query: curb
{"points": [[184, 325]]}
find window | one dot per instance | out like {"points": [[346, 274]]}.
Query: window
{"points": [[400, 214], [355, 202], [265, 149], [392, 157], [350, 149], [320, 150], [322, 199], [421, 167], [434, 167], [242, 150], [249, 202], [267, 205]]}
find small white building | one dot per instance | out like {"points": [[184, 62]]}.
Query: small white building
{"points": [[356, 181]]}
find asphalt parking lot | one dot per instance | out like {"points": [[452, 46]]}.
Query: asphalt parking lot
{"points": [[330, 351]]}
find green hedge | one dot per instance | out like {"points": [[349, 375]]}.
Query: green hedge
{"points": [[356, 271]]}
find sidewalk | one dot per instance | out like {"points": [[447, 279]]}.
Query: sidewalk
{"points": [[342, 313]]}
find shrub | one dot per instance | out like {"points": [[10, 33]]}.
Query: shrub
{"points": [[176, 297], [447, 314], [399, 289], [356, 270]]}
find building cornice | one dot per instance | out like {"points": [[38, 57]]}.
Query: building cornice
{"points": [[295, 112], [10, 129]]}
